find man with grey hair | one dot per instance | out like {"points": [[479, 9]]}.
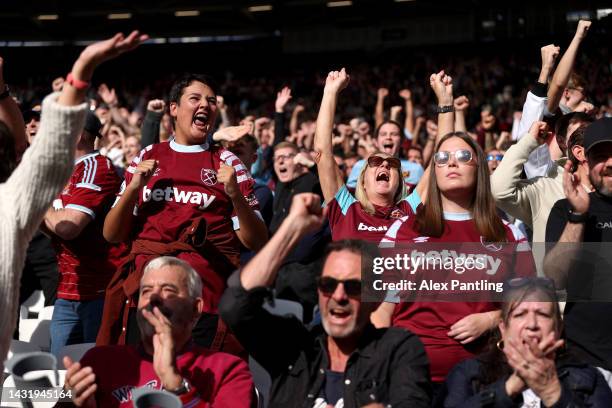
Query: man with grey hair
{"points": [[345, 361], [169, 305]]}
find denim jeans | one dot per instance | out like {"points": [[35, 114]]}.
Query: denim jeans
{"points": [[75, 322]]}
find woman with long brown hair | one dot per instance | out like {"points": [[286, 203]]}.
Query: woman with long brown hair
{"points": [[457, 214]]}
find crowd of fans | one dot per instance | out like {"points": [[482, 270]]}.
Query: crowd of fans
{"points": [[183, 216]]}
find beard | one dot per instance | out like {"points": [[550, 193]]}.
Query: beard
{"points": [[600, 185]]}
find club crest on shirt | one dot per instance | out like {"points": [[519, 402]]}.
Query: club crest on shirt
{"points": [[405, 174], [396, 214], [491, 246], [208, 176]]}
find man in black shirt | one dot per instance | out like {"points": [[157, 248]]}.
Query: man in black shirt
{"points": [[581, 259], [345, 358]]}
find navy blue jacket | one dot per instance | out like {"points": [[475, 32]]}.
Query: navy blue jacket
{"points": [[581, 386]]}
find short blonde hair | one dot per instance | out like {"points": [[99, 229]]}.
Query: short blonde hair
{"points": [[361, 194]]}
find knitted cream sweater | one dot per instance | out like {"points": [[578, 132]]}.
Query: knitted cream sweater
{"points": [[24, 198]]}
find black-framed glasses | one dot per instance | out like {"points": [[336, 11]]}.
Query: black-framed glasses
{"points": [[497, 157], [441, 158], [376, 161], [284, 156], [328, 285]]}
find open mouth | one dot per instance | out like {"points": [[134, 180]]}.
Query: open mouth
{"points": [[382, 176], [200, 120], [338, 315], [388, 146]]}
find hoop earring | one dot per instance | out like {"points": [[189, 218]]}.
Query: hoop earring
{"points": [[500, 345]]}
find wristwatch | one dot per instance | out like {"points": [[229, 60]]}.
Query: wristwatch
{"points": [[445, 109], [577, 218], [183, 389], [5, 93]]}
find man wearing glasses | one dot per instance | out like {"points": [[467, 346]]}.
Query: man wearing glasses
{"points": [[293, 175], [494, 157], [345, 361]]}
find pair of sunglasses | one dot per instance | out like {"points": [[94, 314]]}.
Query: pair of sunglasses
{"points": [[328, 285], [376, 161], [521, 282], [497, 157], [441, 158]]}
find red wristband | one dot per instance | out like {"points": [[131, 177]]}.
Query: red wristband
{"points": [[77, 83]]}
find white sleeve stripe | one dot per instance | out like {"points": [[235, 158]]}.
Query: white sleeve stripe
{"points": [[86, 170], [89, 186], [225, 154], [236, 223], [92, 176], [81, 209], [131, 170]]}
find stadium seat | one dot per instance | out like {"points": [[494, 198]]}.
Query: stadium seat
{"points": [[18, 347], [282, 307], [74, 351], [9, 382], [46, 313], [37, 378], [36, 332], [262, 381], [35, 303], [146, 397]]}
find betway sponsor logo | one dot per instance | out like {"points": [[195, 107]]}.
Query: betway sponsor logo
{"points": [[363, 227], [180, 196]]}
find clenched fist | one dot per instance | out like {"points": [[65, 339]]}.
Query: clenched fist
{"points": [[226, 175]]}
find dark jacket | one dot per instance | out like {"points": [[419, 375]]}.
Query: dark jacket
{"points": [[284, 192], [581, 386], [390, 365]]}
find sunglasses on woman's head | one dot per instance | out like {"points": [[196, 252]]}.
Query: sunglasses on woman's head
{"points": [[441, 158], [376, 161], [497, 157], [521, 282], [328, 285]]}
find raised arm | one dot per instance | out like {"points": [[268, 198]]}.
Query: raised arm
{"points": [[379, 111], [44, 170], [566, 64], [461, 104], [293, 122], [442, 86], [329, 173], [556, 264], [151, 122], [11, 115], [406, 95], [282, 97], [305, 216]]}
